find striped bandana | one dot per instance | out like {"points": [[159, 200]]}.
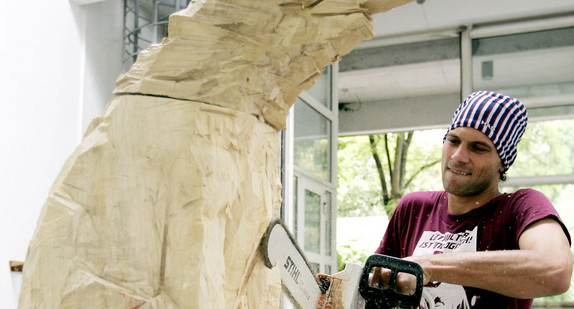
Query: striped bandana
{"points": [[501, 118]]}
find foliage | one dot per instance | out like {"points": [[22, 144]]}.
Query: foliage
{"points": [[358, 191], [359, 187], [312, 156], [545, 149], [346, 254]]}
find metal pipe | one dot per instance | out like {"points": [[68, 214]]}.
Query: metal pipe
{"points": [[154, 22], [466, 83], [136, 33]]}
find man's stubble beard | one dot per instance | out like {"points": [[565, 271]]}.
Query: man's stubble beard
{"points": [[466, 189]]}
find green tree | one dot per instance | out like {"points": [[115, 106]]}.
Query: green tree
{"points": [[358, 192], [375, 171]]}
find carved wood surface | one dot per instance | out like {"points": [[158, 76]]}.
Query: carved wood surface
{"points": [[164, 202]]}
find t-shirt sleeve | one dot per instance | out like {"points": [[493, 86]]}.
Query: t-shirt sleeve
{"points": [[531, 206]]}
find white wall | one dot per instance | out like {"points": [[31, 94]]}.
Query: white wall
{"points": [[58, 64]]}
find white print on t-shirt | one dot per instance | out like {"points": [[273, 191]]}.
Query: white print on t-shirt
{"points": [[447, 295], [437, 242]]}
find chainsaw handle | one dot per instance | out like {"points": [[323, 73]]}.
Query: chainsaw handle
{"points": [[389, 297]]}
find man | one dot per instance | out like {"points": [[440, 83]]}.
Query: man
{"points": [[478, 247]]}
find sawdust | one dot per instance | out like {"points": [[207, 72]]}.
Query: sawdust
{"points": [[332, 295]]}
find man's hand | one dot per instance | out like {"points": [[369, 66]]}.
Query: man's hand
{"points": [[424, 265], [381, 278]]}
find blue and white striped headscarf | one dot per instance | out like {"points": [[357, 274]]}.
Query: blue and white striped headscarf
{"points": [[501, 118]]}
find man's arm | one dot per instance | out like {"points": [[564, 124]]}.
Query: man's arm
{"points": [[542, 266]]}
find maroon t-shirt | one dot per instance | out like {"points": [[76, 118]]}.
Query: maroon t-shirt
{"points": [[422, 225]]}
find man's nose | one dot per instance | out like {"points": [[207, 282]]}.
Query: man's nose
{"points": [[460, 154]]}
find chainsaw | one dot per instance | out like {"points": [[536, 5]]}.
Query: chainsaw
{"points": [[348, 289]]}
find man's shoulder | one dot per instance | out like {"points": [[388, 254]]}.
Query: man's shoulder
{"points": [[526, 195]]}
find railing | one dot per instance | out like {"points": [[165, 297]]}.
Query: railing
{"points": [[145, 23]]}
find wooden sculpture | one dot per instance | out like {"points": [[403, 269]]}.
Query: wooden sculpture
{"points": [[165, 200]]}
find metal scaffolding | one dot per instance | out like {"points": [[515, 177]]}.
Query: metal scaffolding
{"points": [[145, 23]]}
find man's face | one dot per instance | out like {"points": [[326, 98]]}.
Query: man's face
{"points": [[470, 163]]}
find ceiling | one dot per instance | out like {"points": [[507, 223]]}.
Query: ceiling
{"points": [[433, 19], [442, 14]]}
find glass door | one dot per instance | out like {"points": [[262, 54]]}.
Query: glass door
{"points": [[315, 233], [312, 210], [310, 174]]}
